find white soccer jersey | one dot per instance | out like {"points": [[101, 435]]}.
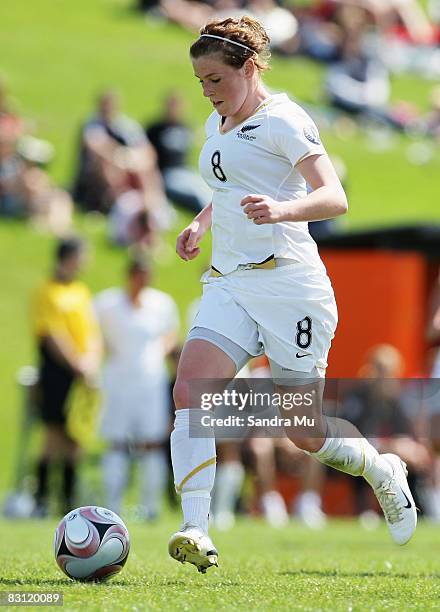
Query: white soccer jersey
{"points": [[134, 335], [134, 380], [259, 156]]}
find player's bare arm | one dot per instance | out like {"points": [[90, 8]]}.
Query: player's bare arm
{"points": [[187, 244], [327, 200]]}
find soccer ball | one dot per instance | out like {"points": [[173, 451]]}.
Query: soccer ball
{"points": [[91, 544]]}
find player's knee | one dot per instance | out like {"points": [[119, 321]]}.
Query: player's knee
{"points": [[181, 394], [308, 444]]}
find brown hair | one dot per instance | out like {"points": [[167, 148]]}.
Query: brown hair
{"points": [[246, 31]]}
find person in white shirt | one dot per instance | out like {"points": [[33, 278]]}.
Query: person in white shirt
{"points": [[139, 326], [268, 290]]}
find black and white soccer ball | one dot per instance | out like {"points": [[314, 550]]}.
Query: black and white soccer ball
{"points": [[91, 544]]}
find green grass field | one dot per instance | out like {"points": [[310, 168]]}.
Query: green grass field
{"points": [[343, 568]]}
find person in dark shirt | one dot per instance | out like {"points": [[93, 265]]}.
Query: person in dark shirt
{"points": [[114, 157], [172, 139], [69, 349]]}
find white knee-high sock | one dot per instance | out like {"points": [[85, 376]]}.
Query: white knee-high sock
{"points": [[153, 474], [228, 482], [115, 467], [352, 455], [193, 461]]}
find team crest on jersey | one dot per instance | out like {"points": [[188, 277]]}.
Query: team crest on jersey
{"points": [[243, 132], [312, 134]]}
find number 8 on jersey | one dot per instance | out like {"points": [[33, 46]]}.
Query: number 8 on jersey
{"points": [[216, 167]]}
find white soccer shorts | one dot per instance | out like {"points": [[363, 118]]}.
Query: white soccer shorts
{"points": [[289, 313], [135, 411]]}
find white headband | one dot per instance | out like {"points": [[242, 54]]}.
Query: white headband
{"points": [[233, 42]]}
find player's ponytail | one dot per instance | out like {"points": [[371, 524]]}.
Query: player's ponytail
{"points": [[248, 39]]}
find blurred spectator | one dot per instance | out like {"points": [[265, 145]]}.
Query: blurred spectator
{"points": [[269, 455], [131, 224], [229, 479], [376, 407], [401, 16], [405, 16], [48, 207], [11, 170], [357, 83], [404, 38], [139, 325], [26, 190], [262, 459], [95, 182], [25, 187], [261, 456], [172, 139], [396, 32], [308, 505], [430, 124], [115, 158], [319, 32], [193, 15], [69, 351], [280, 23]]}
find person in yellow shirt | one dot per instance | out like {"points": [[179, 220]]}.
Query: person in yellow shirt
{"points": [[69, 350]]}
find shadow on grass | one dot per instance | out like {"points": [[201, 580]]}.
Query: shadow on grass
{"points": [[336, 574]]}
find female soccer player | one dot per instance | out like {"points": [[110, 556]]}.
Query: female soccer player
{"points": [[268, 290]]}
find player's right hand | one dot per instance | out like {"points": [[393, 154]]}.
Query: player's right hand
{"points": [[187, 244]]}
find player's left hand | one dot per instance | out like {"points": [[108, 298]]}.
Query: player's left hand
{"points": [[261, 209]]}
